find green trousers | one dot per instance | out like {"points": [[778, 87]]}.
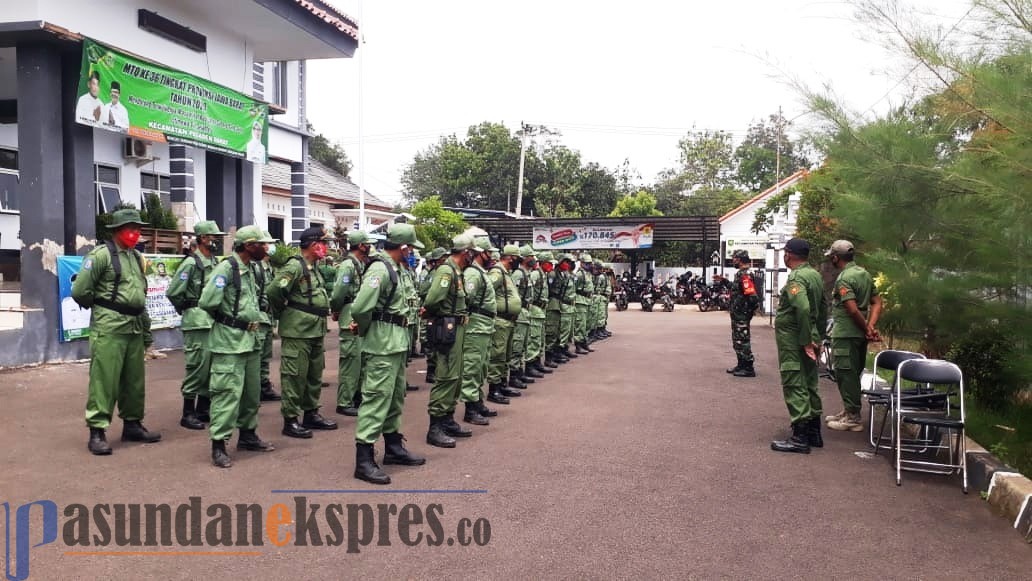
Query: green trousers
{"points": [[236, 388], [349, 369], [566, 328], [798, 379], [535, 340], [116, 377], [552, 324], [580, 323], [448, 373], [265, 334], [850, 358], [383, 396], [741, 338], [501, 352], [519, 344], [198, 363], [475, 356], [301, 367]]}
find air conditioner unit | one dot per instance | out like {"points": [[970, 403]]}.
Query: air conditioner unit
{"points": [[137, 149]]}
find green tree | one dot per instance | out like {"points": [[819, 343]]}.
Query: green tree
{"points": [[756, 158], [640, 204], [703, 184], [434, 225], [330, 154]]}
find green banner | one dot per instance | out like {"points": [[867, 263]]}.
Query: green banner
{"points": [[128, 95]]}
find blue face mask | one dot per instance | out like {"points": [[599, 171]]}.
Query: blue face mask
{"points": [[412, 260]]}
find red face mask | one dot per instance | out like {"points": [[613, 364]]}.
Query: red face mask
{"points": [[564, 266], [319, 249], [546, 266], [128, 238]]}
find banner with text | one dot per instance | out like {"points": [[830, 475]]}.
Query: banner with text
{"points": [[146, 101], [586, 237], [75, 320]]}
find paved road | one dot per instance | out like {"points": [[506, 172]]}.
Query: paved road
{"points": [[643, 460]]}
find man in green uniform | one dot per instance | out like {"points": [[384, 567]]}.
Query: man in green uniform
{"points": [[745, 298], [508, 307], [345, 289], [856, 309], [423, 287], [797, 334], [380, 317], [263, 276], [408, 270], [183, 293], [298, 294], [567, 297], [231, 297], [445, 307], [521, 334], [112, 283], [552, 310], [476, 351], [584, 288], [538, 300], [603, 289]]}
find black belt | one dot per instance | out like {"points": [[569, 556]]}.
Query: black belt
{"points": [[584, 293], [390, 318], [311, 310], [508, 317], [483, 312], [541, 304], [568, 302], [236, 323], [189, 305], [119, 308]]}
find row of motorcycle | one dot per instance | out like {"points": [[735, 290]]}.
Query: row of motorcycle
{"points": [[683, 290]]}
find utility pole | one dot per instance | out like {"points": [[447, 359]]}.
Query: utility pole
{"points": [[361, 114], [524, 129]]}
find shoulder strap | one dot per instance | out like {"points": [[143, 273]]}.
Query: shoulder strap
{"points": [[483, 286], [307, 274], [393, 276], [116, 264], [502, 270], [236, 282]]}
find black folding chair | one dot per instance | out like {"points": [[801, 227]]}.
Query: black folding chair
{"points": [[934, 415], [879, 394]]}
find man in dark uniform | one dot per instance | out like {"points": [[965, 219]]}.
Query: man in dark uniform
{"points": [[112, 283], [745, 298], [298, 294]]}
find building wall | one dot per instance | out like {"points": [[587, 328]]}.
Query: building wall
{"points": [[284, 144]]}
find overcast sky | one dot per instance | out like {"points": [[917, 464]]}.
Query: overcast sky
{"points": [[618, 79]]}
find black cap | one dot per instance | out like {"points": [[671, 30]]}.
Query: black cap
{"points": [[798, 247], [314, 234]]}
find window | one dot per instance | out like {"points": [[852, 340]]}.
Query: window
{"points": [[8, 179], [276, 228], [107, 180], [8, 160], [159, 185], [278, 95]]}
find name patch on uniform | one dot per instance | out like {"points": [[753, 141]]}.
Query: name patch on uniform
{"points": [[220, 281], [87, 264], [374, 282]]}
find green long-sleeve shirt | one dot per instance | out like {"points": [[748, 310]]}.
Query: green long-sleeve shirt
{"points": [[447, 294], [584, 287], [345, 289], [480, 296], [220, 298], [96, 279], [801, 309], [186, 286], [291, 288], [507, 295], [378, 293]]}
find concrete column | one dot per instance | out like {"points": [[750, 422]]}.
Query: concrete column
{"points": [[299, 194], [80, 196], [245, 191], [181, 174]]}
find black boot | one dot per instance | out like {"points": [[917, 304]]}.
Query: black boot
{"points": [[249, 440], [189, 419], [268, 393], [745, 371], [453, 429], [509, 392], [521, 374], [350, 410], [98, 445], [532, 372], [314, 421], [583, 349], [133, 431], [485, 411], [541, 368], [436, 436], [797, 442], [219, 457], [565, 352], [395, 452], [365, 465], [203, 409], [494, 395], [737, 367], [813, 433], [550, 361], [472, 415], [430, 377], [410, 387], [515, 382], [295, 430]]}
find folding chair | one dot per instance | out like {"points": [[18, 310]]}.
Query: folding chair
{"points": [[939, 378], [878, 396]]}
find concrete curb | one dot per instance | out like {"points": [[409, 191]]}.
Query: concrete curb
{"points": [[1008, 492]]}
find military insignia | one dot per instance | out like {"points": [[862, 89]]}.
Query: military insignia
{"points": [[794, 290], [284, 282], [87, 264], [470, 285], [445, 282], [184, 275], [843, 291], [220, 281], [345, 279], [374, 282]]}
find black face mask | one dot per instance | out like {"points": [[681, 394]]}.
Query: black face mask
{"points": [[257, 251]]}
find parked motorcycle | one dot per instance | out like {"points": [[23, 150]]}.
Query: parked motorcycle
{"points": [[666, 297], [620, 298], [647, 299], [702, 296]]}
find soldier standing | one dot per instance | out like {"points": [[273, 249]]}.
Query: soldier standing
{"points": [[538, 300], [521, 334], [508, 307], [345, 289], [445, 307], [584, 288], [552, 310], [744, 301], [299, 296], [567, 296], [476, 351], [856, 310], [263, 276], [426, 278], [603, 288], [112, 283], [380, 317], [231, 297], [797, 333], [183, 293]]}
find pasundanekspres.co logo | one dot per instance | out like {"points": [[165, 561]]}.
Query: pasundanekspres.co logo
{"points": [[222, 529]]}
